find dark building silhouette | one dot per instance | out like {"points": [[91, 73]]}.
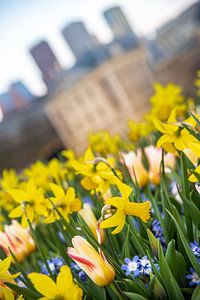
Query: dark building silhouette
{"points": [[120, 27], [17, 96], [85, 46], [46, 62], [80, 42], [177, 35], [27, 135]]}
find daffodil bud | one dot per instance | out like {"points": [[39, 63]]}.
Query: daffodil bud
{"points": [[153, 242], [159, 290]]}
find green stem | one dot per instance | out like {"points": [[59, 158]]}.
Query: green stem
{"points": [[116, 292]]}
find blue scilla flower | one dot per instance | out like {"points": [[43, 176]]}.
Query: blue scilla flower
{"points": [[145, 266], [54, 264], [132, 266], [195, 279], [87, 199], [158, 232], [195, 249], [78, 271], [61, 236], [138, 266]]}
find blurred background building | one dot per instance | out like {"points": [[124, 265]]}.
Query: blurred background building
{"points": [[108, 84], [46, 61], [17, 96], [122, 31]]}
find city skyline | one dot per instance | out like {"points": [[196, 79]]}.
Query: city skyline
{"points": [[16, 15]]}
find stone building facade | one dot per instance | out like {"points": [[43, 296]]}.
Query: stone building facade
{"points": [[105, 98]]}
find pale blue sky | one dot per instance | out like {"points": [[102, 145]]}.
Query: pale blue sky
{"points": [[25, 22]]}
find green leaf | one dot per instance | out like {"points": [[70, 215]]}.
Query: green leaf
{"points": [[96, 292], [168, 279], [159, 290], [196, 294], [134, 296], [176, 263], [192, 209], [136, 285], [186, 246], [26, 292]]}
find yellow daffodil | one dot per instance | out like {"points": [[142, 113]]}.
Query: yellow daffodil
{"points": [[31, 203], [103, 143], [165, 99], [175, 137], [138, 130], [96, 176], [90, 219], [69, 155], [38, 172], [5, 292], [63, 289], [9, 180], [56, 170], [94, 264], [125, 207], [64, 203], [17, 239], [194, 178]]}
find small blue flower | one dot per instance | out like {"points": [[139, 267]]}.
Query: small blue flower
{"points": [[145, 266], [158, 232], [78, 271], [61, 236], [82, 275], [54, 264], [195, 249], [87, 199], [138, 266], [195, 279], [132, 266]]}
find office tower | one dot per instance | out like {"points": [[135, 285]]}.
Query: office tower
{"points": [[20, 94], [15, 97], [120, 27], [46, 61], [81, 42]]}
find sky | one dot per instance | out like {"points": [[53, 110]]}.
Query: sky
{"points": [[26, 22]]}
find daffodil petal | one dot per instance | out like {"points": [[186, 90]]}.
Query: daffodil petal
{"points": [[44, 284]]}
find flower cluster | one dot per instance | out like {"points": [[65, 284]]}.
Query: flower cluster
{"points": [[137, 266]]}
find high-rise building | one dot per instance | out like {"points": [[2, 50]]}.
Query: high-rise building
{"points": [[20, 94], [17, 96], [46, 62], [120, 27], [178, 34], [80, 41]]}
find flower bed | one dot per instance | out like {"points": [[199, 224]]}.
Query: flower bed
{"points": [[121, 222]]}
